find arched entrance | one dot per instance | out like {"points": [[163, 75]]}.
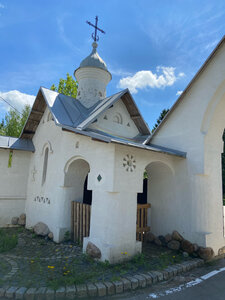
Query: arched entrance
{"points": [[158, 186], [212, 127], [76, 182]]}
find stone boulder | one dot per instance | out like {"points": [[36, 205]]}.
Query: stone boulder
{"points": [[174, 245], [157, 242], [50, 235], [150, 237], [196, 247], [221, 251], [41, 229], [162, 240], [205, 253], [93, 250], [168, 238], [176, 236], [22, 220], [187, 246], [15, 221]]}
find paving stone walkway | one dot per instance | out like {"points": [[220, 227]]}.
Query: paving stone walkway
{"points": [[27, 270]]}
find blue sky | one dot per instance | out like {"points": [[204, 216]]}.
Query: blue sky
{"points": [[153, 47]]}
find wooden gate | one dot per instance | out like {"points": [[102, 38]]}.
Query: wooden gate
{"points": [[80, 227], [81, 214], [142, 221]]}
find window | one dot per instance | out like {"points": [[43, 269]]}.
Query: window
{"points": [[45, 166]]}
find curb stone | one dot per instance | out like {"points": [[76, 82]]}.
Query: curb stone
{"points": [[100, 289]]}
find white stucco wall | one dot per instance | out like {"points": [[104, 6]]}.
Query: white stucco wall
{"points": [[196, 126], [13, 184], [107, 122]]}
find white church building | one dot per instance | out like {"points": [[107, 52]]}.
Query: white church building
{"points": [[101, 144]]}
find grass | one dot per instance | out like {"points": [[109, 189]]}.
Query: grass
{"points": [[79, 269], [85, 269], [8, 240]]}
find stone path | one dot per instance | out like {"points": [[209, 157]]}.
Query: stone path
{"points": [[26, 270]]}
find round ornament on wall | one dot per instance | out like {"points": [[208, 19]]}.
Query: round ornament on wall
{"points": [[129, 163]]}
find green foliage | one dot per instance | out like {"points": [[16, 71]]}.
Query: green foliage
{"points": [[66, 86], [145, 175], [13, 122], [67, 236], [160, 118], [10, 159], [7, 241]]}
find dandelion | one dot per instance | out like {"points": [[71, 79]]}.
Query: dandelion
{"points": [[121, 252], [32, 261], [125, 252], [51, 267], [71, 246], [174, 256]]}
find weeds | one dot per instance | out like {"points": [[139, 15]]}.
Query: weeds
{"points": [[7, 241]]}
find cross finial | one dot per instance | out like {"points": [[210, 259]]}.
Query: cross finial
{"points": [[94, 35]]}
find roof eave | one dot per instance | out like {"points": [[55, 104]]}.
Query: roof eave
{"points": [[202, 68]]}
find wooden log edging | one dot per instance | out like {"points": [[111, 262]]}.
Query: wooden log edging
{"points": [[100, 289]]}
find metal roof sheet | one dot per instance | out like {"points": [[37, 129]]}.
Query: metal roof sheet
{"points": [[111, 139], [12, 143], [71, 115], [71, 112]]}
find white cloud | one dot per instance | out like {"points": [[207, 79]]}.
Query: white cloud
{"points": [[2, 6], [16, 99], [144, 79], [179, 93]]}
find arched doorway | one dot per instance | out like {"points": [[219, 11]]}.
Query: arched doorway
{"points": [[160, 195], [76, 182]]}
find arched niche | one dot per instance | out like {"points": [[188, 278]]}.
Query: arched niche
{"points": [[76, 179], [161, 196]]}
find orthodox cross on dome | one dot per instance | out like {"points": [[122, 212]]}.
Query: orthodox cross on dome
{"points": [[94, 35]]}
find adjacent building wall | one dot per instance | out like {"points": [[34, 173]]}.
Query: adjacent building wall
{"points": [[13, 184], [196, 126]]}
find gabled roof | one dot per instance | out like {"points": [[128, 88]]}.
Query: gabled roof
{"points": [[189, 86], [72, 116], [7, 142], [68, 111]]}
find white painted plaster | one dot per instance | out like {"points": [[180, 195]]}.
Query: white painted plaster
{"points": [[13, 184], [116, 129]]}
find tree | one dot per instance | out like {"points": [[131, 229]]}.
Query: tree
{"points": [[66, 86], [160, 118], [13, 122]]}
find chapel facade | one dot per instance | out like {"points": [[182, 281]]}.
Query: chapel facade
{"points": [[96, 148]]}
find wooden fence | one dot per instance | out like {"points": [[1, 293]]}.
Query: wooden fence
{"points": [[142, 221], [81, 214]]}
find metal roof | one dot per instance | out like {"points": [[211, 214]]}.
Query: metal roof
{"points": [[94, 60], [7, 142], [112, 139], [69, 111], [71, 115]]}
